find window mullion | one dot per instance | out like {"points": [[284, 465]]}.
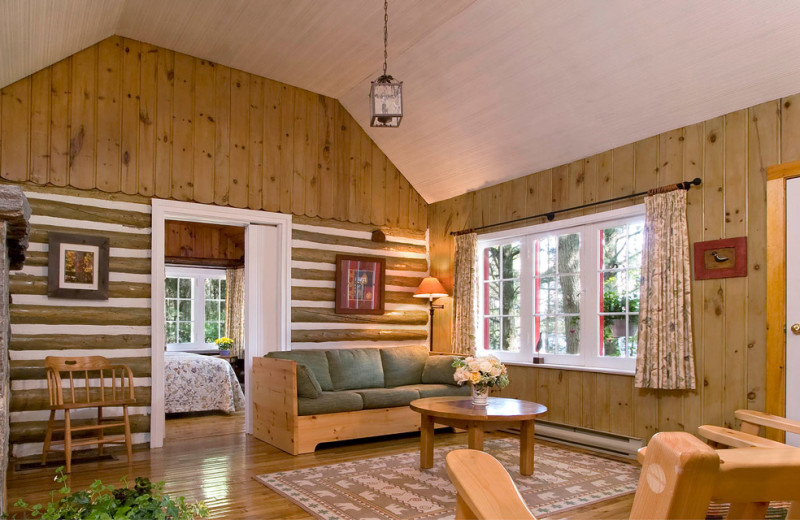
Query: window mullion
{"points": [[526, 299], [589, 295], [199, 325]]}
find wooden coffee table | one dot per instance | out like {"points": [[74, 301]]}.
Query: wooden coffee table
{"points": [[459, 412]]}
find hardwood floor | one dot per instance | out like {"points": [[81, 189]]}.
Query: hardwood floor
{"points": [[210, 458]]}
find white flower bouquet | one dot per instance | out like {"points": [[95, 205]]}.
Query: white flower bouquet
{"points": [[481, 372]]}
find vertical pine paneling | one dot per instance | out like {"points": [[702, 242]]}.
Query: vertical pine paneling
{"points": [[40, 126], [82, 124], [272, 146], [311, 151], [763, 151], [734, 389], [183, 128], [326, 162], [131, 97], [148, 106], [222, 134], [204, 131], [300, 161], [109, 89], [256, 150], [61, 81], [240, 126], [287, 147], [164, 133]]}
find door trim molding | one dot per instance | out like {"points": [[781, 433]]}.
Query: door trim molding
{"points": [[189, 211], [777, 176]]}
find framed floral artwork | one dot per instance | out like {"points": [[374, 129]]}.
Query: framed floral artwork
{"points": [[77, 266], [360, 284]]}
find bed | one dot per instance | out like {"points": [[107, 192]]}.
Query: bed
{"points": [[195, 383]]}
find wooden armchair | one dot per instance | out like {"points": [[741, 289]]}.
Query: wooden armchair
{"points": [[748, 435], [87, 382], [680, 477]]}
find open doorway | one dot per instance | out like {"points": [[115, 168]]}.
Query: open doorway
{"points": [[204, 325], [266, 283]]}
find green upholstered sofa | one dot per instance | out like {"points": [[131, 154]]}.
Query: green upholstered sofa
{"points": [[304, 397]]}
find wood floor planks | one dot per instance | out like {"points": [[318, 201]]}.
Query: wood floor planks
{"points": [[210, 458]]}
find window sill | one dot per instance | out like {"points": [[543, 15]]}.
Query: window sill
{"points": [[577, 368]]}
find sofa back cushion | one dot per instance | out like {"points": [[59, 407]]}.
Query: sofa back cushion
{"points": [[315, 360], [352, 368], [439, 370], [403, 365]]}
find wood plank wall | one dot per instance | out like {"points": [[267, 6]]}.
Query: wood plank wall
{"points": [[126, 116], [198, 241], [117, 328], [730, 153]]}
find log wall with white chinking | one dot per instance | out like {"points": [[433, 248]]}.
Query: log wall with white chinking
{"points": [[730, 153], [117, 328], [125, 116], [315, 244]]}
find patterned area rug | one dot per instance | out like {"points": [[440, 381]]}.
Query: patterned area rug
{"points": [[393, 487]]}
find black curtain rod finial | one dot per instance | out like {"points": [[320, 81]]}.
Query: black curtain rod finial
{"points": [[550, 217]]}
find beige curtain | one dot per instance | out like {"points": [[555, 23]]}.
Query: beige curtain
{"points": [[465, 289], [234, 309], [666, 351]]}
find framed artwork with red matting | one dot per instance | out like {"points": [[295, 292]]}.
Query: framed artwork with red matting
{"points": [[726, 258], [360, 284]]}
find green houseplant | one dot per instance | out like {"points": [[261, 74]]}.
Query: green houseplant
{"points": [[144, 501]]}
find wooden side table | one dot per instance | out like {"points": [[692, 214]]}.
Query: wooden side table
{"points": [[459, 412]]}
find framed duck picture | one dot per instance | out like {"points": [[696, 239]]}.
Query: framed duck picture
{"points": [[77, 266], [360, 284]]}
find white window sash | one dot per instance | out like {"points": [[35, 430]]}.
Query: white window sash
{"points": [[198, 277], [588, 227]]}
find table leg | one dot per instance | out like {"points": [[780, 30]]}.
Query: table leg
{"points": [[475, 436], [426, 442], [526, 448]]}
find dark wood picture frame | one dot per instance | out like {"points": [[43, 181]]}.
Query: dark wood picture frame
{"points": [[67, 275], [360, 284], [726, 258]]}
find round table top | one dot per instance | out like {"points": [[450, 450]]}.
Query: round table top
{"points": [[496, 409]]}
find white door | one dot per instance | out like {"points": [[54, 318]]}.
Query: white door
{"points": [[793, 305], [262, 276]]}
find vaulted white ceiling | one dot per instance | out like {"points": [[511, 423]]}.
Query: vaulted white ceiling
{"points": [[493, 89]]}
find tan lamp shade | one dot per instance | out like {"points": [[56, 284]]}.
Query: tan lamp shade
{"points": [[431, 288]]}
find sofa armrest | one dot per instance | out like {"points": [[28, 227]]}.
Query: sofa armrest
{"points": [[274, 387]]}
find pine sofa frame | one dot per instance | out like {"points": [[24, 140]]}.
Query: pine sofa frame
{"points": [[276, 420]]}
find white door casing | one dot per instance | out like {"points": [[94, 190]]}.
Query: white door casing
{"points": [[792, 304], [269, 247]]}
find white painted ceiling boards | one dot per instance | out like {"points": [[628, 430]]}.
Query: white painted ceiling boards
{"points": [[494, 89]]}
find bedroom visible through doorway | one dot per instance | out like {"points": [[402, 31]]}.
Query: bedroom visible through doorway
{"points": [[204, 322]]}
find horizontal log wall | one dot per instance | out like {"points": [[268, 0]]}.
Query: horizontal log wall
{"points": [[125, 116], [315, 243], [730, 153], [117, 328]]}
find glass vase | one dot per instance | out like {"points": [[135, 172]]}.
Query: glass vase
{"points": [[480, 394]]}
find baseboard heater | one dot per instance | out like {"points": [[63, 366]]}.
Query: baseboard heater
{"points": [[611, 443]]}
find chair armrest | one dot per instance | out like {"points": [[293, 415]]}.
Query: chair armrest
{"points": [[768, 420], [736, 439]]}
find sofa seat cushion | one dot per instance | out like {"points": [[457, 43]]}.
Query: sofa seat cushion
{"points": [[353, 368], [439, 370], [437, 390], [330, 402], [387, 397], [403, 365], [315, 360]]}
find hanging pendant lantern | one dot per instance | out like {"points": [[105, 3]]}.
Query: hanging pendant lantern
{"points": [[386, 93]]}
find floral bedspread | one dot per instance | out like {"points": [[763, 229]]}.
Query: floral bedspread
{"points": [[196, 383]]}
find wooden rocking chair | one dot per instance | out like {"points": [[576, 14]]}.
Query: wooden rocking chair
{"points": [[680, 477], [87, 382]]}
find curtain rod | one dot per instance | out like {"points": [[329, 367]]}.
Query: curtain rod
{"points": [[551, 215]]}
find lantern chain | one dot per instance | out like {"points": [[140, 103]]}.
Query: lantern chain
{"points": [[385, 34]]}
